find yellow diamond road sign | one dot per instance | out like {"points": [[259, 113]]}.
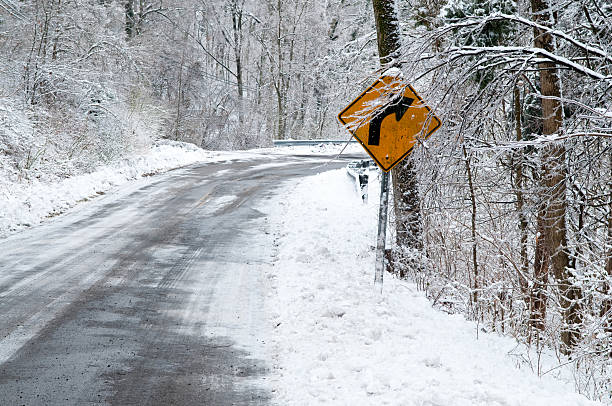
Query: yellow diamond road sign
{"points": [[388, 119]]}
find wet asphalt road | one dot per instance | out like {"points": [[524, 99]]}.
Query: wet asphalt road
{"points": [[152, 295]]}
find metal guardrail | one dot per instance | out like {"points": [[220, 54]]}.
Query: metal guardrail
{"points": [[278, 143], [360, 171]]}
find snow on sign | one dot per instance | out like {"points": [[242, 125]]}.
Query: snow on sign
{"points": [[387, 119]]}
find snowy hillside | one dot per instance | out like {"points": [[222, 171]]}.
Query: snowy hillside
{"points": [[26, 202]]}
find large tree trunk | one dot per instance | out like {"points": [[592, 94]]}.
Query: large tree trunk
{"points": [[387, 31], [408, 227], [554, 174], [405, 186]]}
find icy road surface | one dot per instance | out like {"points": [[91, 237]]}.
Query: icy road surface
{"points": [[150, 296]]}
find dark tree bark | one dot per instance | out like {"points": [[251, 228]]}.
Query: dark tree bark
{"points": [[405, 186], [387, 30], [520, 198], [554, 174], [130, 23], [236, 11], [408, 227], [606, 309], [476, 284], [541, 266]]}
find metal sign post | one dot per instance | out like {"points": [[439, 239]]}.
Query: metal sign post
{"points": [[388, 119], [383, 210]]}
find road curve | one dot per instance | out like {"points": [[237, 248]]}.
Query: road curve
{"points": [[150, 296]]}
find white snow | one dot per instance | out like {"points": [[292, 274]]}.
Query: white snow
{"points": [[27, 202], [321, 149], [335, 341]]}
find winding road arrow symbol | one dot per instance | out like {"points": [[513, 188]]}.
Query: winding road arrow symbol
{"points": [[389, 142], [400, 108]]}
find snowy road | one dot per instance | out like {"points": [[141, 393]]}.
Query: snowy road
{"points": [[221, 284], [149, 296]]}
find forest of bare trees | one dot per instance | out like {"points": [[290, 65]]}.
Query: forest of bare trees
{"points": [[505, 215], [227, 74], [516, 196]]}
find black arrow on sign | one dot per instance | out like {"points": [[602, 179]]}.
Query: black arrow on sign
{"points": [[399, 109]]}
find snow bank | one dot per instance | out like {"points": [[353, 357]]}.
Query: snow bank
{"points": [[343, 148], [337, 342], [28, 202]]}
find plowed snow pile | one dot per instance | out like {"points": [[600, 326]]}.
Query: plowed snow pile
{"points": [[24, 203]]}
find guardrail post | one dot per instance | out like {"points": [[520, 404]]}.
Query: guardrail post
{"points": [[363, 186]]}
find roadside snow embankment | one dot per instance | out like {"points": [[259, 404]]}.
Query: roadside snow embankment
{"points": [[28, 202], [337, 342]]}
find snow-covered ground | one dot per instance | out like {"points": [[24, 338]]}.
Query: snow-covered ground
{"points": [[26, 202], [335, 341]]}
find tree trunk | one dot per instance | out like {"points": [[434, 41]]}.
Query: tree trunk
{"points": [[541, 265], [520, 199], [280, 87], [388, 33], [606, 308], [129, 19], [554, 174], [405, 186], [179, 98], [408, 227], [237, 45], [476, 284]]}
